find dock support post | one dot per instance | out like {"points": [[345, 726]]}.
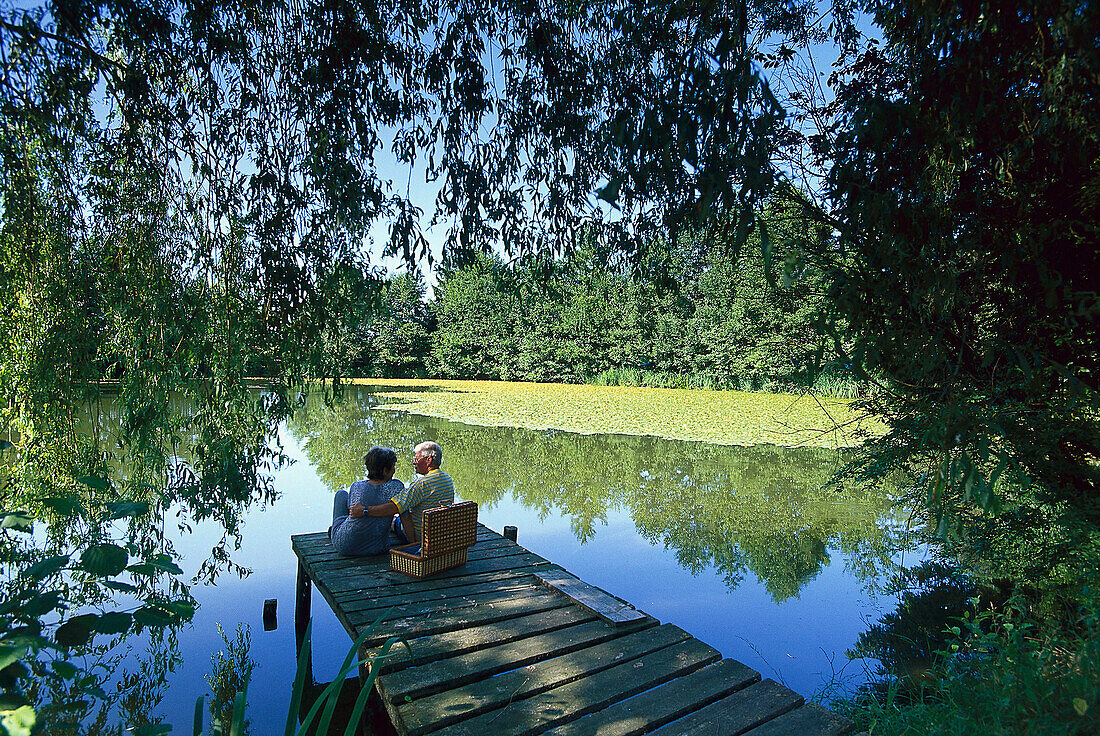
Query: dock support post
{"points": [[510, 532], [302, 597]]}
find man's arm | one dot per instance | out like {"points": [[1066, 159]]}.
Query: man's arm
{"points": [[389, 508]]}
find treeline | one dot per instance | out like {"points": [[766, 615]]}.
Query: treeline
{"points": [[694, 313]]}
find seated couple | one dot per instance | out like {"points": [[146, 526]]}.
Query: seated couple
{"points": [[380, 512]]}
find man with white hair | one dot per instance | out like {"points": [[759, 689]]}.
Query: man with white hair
{"points": [[433, 488]]}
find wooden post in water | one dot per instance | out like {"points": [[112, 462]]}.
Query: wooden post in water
{"points": [[510, 532]]}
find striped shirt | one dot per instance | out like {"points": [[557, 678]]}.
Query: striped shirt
{"points": [[427, 492]]}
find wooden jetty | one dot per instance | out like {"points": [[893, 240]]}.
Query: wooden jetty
{"points": [[512, 644]]}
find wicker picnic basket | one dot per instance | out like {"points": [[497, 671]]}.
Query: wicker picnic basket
{"points": [[447, 532]]}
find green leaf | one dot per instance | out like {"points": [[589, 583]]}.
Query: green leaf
{"points": [[94, 481], [120, 586], [113, 623], [610, 193], [152, 616], [63, 505], [76, 631], [41, 604], [1080, 705], [124, 509], [155, 564], [11, 701], [17, 520], [47, 567], [10, 654], [182, 608], [65, 670], [104, 560], [27, 639], [198, 714], [20, 721]]}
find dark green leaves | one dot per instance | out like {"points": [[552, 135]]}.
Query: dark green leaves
{"points": [[65, 670], [64, 505], [113, 623], [153, 615], [41, 604], [156, 565], [95, 482], [104, 560], [151, 729], [125, 509], [47, 567], [77, 631], [10, 654]]}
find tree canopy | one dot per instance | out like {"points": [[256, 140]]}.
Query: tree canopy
{"points": [[186, 186]]}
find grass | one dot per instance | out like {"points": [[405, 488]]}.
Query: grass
{"points": [[717, 417]]}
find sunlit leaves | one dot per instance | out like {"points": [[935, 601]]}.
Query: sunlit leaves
{"points": [[19, 721], [721, 417], [16, 520]]}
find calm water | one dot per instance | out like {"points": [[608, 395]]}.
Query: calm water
{"points": [[741, 547]]}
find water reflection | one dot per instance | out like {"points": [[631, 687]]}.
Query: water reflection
{"points": [[93, 599], [764, 509]]}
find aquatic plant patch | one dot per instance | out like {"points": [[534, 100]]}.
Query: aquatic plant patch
{"points": [[722, 418]]}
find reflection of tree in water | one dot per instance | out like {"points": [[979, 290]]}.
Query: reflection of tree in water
{"points": [[92, 599], [763, 509]]}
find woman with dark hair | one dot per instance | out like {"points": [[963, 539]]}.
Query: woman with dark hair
{"points": [[352, 531]]}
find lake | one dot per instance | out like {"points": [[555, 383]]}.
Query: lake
{"points": [[746, 548]]}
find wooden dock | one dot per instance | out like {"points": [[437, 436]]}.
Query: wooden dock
{"points": [[511, 644]]}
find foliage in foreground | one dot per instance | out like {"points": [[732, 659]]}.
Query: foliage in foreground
{"points": [[965, 190], [1000, 673]]}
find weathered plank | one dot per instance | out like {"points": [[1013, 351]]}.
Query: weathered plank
{"points": [[811, 718], [431, 596], [457, 671], [433, 584], [453, 643], [335, 561], [464, 702], [736, 713], [588, 694], [451, 620], [665, 703], [461, 597], [605, 606], [387, 577]]}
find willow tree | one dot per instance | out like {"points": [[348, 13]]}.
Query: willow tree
{"points": [[187, 187]]}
